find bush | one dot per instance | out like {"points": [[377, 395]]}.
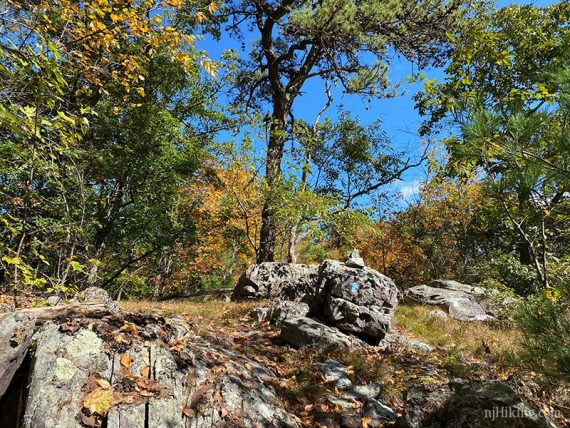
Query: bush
{"points": [[545, 325], [507, 271]]}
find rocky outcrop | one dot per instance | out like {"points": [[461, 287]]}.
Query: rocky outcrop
{"points": [[358, 300], [472, 404], [92, 366], [302, 331], [282, 281], [348, 296], [463, 301]]}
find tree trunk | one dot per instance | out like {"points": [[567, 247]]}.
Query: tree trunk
{"points": [[278, 127], [292, 254]]}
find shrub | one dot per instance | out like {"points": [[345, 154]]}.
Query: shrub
{"points": [[545, 324]]}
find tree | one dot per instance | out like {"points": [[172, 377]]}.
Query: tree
{"points": [[504, 89], [97, 133], [337, 41]]}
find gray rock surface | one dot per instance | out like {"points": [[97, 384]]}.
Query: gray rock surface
{"points": [[283, 281], [96, 295], [378, 412], [285, 309], [463, 302], [336, 373], [449, 284], [61, 368], [303, 331], [361, 301], [55, 300], [156, 369], [484, 404], [395, 340], [354, 260], [371, 390], [261, 314]]}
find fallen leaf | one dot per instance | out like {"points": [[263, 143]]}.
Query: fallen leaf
{"points": [[99, 401], [187, 411], [129, 327], [126, 361], [90, 421], [145, 372], [365, 421], [103, 383], [120, 339]]}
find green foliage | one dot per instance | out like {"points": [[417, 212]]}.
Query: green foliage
{"points": [[97, 141], [502, 88], [506, 270], [545, 324]]}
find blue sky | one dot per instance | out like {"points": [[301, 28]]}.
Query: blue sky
{"points": [[400, 119]]}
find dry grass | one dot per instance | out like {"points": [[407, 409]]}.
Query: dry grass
{"points": [[212, 310], [458, 338]]}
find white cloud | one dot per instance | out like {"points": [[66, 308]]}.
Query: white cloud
{"points": [[410, 189]]}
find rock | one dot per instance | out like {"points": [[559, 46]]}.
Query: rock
{"points": [[336, 373], [354, 260], [394, 339], [5, 308], [62, 365], [484, 404], [344, 403], [261, 314], [283, 281], [371, 390], [449, 284], [158, 369], [96, 295], [303, 331], [464, 302], [286, 309], [361, 301], [378, 412], [55, 300], [467, 310]]}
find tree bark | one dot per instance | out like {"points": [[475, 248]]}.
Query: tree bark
{"points": [[278, 127]]}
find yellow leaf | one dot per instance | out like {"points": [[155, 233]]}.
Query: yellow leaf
{"points": [[126, 361], [120, 339], [212, 8], [140, 91], [200, 17], [99, 401], [365, 421]]}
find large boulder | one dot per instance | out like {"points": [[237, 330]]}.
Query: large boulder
{"points": [[463, 301], [303, 331], [283, 281], [358, 300], [472, 404]]}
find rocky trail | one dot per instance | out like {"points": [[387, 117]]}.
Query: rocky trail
{"points": [[260, 363]]}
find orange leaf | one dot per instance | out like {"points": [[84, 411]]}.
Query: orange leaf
{"points": [[145, 372], [126, 361]]}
